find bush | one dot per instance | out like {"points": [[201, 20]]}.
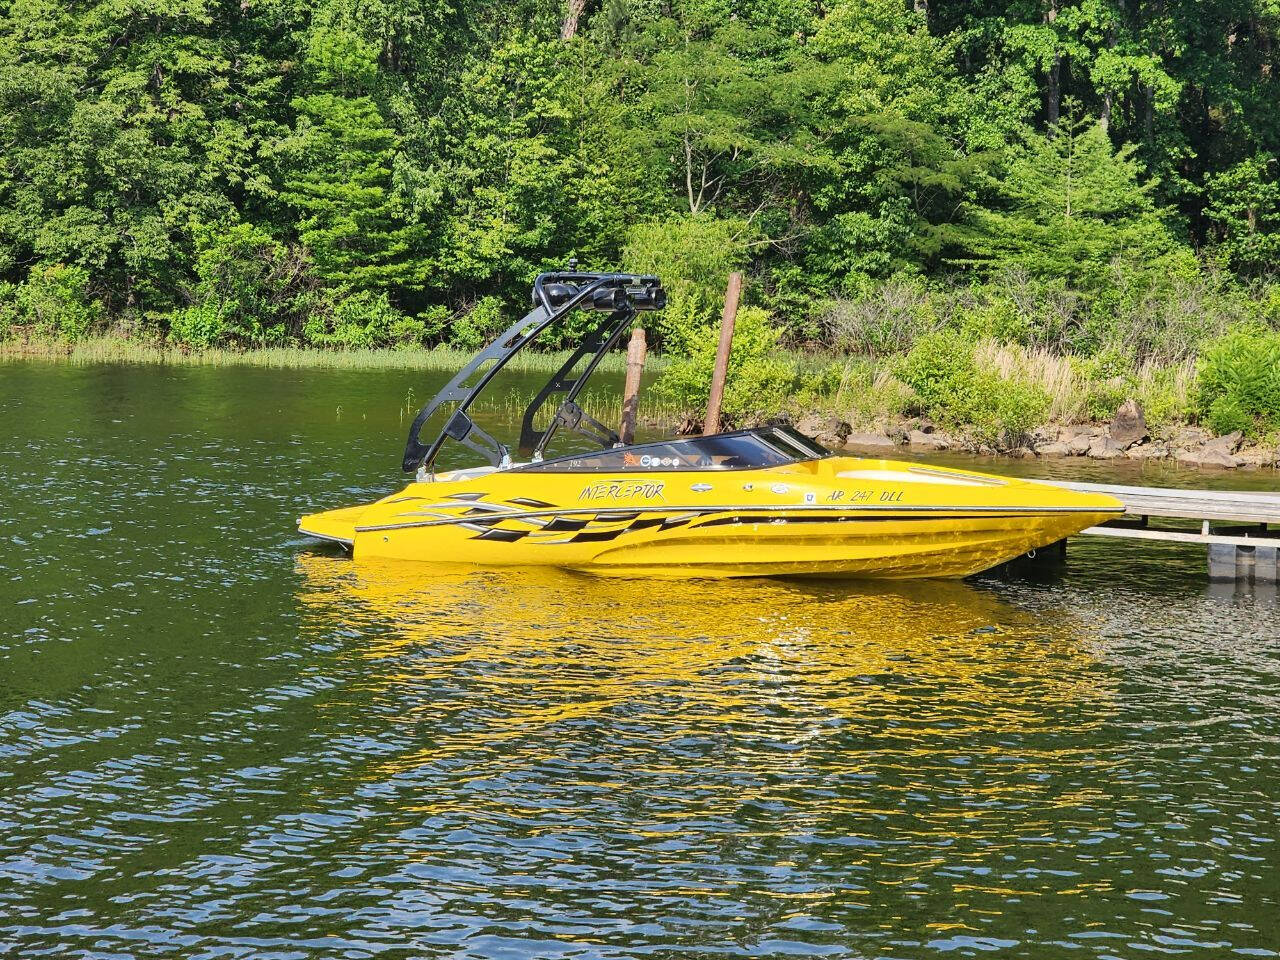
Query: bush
{"points": [[891, 317], [760, 382], [1238, 381], [250, 290], [952, 388], [8, 308], [1109, 380], [1004, 411], [364, 319], [200, 325], [479, 325], [694, 256], [55, 300], [1164, 317], [940, 368], [1227, 415], [863, 391], [1165, 393]]}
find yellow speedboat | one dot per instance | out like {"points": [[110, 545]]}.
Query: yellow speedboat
{"points": [[760, 502]]}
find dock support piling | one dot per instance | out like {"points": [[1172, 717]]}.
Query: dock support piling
{"points": [[1222, 561], [636, 350], [1228, 561], [1266, 565], [721, 372]]}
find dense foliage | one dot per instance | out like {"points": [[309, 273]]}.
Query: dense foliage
{"points": [[1097, 178]]}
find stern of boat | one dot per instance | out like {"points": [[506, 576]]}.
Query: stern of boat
{"points": [[337, 526]]}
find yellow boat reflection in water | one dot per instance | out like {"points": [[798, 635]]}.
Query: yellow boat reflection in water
{"points": [[907, 670]]}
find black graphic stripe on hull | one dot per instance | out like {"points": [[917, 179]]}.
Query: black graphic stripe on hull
{"points": [[759, 514]]}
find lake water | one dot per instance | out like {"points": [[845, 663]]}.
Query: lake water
{"points": [[216, 742]]}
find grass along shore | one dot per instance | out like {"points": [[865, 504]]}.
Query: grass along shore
{"points": [[109, 349], [860, 401]]}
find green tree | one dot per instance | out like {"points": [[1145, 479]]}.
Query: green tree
{"points": [[1244, 208], [339, 162], [1075, 208]]}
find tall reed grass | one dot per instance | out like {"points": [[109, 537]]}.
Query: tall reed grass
{"points": [[443, 359]]}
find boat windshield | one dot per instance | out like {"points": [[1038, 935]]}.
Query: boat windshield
{"points": [[744, 450]]}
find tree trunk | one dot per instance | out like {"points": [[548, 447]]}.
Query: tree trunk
{"points": [[1109, 97], [569, 29], [1053, 81], [1262, 37], [1053, 92]]}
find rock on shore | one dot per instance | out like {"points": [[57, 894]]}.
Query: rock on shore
{"points": [[1126, 436]]}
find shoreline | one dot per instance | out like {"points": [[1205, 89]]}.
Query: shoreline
{"points": [[1125, 437], [120, 350]]}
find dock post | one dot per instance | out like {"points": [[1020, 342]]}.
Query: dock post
{"points": [[721, 371], [631, 392], [1222, 561], [1266, 565]]}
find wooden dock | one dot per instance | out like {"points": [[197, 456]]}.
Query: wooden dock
{"points": [[1241, 528]]}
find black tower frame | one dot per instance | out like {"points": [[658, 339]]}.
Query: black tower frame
{"points": [[613, 298]]}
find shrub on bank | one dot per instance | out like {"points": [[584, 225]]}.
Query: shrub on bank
{"points": [[54, 301], [1238, 381], [250, 290], [761, 379], [478, 325], [954, 388]]}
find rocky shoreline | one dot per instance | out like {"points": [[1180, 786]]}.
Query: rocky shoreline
{"points": [[1126, 436]]}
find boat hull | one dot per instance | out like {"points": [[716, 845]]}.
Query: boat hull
{"points": [[837, 517]]}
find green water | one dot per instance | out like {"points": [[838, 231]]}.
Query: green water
{"points": [[216, 742]]}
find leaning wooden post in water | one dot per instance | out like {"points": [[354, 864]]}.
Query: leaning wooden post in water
{"points": [[631, 392], [721, 371]]}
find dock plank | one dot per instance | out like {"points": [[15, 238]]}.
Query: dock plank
{"points": [[1243, 506]]}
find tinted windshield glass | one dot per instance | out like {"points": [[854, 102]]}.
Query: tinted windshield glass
{"points": [[788, 439], [730, 451]]}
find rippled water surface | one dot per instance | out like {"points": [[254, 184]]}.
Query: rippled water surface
{"points": [[216, 742]]}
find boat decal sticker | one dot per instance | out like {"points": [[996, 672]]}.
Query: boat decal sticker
{"points": [[426, 513], [644, 523], [623, 490], [718, 521], [779, 488], [700, 487], [561, 524], [529, 502], [810, 497], [593, 536], [467, 496], [507, 536], [819, 513], [486, 508], [676, 521]]}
